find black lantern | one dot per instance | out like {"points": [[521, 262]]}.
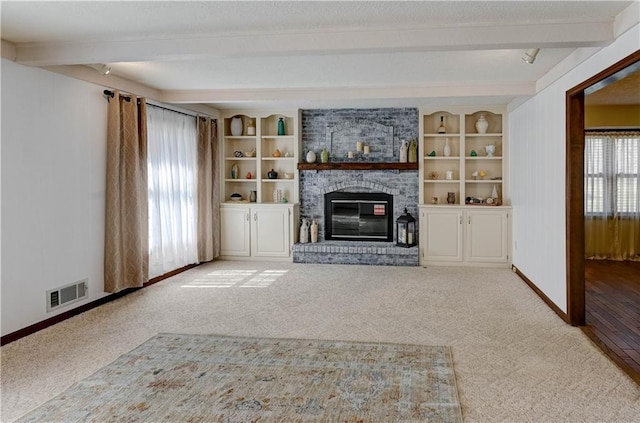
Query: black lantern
{"points": [[406, 230]]}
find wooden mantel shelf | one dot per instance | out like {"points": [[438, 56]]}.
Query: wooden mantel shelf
{"points": [[358, 166]]}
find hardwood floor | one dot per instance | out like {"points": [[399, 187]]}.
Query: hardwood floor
{"points": [[613, 311]]}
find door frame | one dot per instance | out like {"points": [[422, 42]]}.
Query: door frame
{"points": [[575, 189]]}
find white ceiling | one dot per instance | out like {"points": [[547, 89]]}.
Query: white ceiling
{"points": [[313, 54]]}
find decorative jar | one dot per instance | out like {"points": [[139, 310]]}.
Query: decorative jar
{"points": [[482, 124]]}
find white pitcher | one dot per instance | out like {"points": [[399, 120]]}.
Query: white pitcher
{"points": [[404, 149]]}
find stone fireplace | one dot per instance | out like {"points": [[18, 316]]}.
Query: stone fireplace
{"points": [[338, 131]]}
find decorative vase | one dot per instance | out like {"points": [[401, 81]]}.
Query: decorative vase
{"points": [[272, 174], [304, 231], [447, 149], [494, 193], [314, 231], [235, 171], [404, 151], [413, 152], [252, 196], [281, 126], [441, 128], [451, 197], [324, 156], [482, 124], [311, 156], [236, 126]]}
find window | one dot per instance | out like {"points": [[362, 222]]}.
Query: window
{"points": [[611, 173], [172, 170]]}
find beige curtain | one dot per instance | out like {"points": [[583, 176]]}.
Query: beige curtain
{"points": [[612, 195], [126, 255], [208, 190]]}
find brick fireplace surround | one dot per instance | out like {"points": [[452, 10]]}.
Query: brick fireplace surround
{"points": [[338, 130]]}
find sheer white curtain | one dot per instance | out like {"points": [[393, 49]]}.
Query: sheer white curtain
{"points": [[172, 181], [612, 195]]}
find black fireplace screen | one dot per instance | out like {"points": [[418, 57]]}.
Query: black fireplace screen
{"points": [[353, 216]]}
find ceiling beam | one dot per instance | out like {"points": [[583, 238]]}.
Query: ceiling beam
{"points": [[347, 93], [558, 35]]}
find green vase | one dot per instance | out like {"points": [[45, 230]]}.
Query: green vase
{"points": [[281, 126], [413, 152], [324, 156]]}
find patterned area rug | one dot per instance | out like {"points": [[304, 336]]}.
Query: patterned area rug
{"points": [[206, 378]]}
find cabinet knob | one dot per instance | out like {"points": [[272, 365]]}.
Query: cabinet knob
{"points": [[255, 217], [248, 218]]}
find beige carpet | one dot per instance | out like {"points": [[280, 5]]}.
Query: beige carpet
{"points": [[515, 360]]}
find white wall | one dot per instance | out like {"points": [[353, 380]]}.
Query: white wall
{"points": [[53, 190], [537, 171]]}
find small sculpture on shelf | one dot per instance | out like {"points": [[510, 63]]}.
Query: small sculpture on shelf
{"points": [[474, 153], [433, 175], [272, 174], [248, 175], [451, 197], [490, 149], [277, 153], [432, 154]]}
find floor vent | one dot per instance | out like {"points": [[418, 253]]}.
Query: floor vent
{"points": [[67, 294]]}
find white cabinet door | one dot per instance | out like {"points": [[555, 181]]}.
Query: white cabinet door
{"points": [[487, 236], [270, 232], [443, 235], [234, 231]]}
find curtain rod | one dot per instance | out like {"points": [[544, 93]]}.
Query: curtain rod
{"points": [[111, 94], [613, 129]]}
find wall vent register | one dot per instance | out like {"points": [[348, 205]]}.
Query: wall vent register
{"points": [[67, 294]]}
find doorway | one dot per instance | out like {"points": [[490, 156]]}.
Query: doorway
{"points": [[575, 218]]}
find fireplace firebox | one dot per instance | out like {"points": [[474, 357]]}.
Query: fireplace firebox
{"points": [[352, 216]]}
